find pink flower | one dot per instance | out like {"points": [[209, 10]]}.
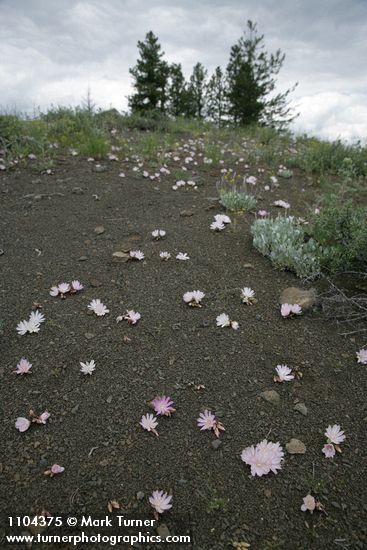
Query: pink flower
{"points": [[328, 450], [132, 316], [163, 405], [41, 419], [207, 421], [98, 307], [287, 310], [137, 255], [76, 286], [263, 458], [362, 356], [193, 298], [23, 367], [54, 470], [54, 291], [22, 424], [160, 501], [282, 204], [309, 503], [149, 423], [262, 213], [334, 434], [64, 288], [284, 373], [88, 367]]}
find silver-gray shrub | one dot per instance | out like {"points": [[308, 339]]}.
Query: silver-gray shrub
{"points": [[282, 240]]}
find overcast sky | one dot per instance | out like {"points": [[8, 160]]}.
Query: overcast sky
{"points": [[52, 50]]}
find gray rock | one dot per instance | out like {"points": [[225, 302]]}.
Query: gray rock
{"points": [[163, 531], [301, 407], [295, 447], [140, 495], [216, 444], [293, 295], [271, 396]]}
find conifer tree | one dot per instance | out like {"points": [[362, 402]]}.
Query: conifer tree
{"points": [[216, 97], [197, 91], [177, 92], [150, 76], [251, 81]]}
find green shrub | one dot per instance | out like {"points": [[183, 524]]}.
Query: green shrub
{"points": [[235, 201], [283, 241], [341, 230]]}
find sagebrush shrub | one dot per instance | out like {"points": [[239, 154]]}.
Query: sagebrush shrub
{"points": [[283, 241], [341, 230]]}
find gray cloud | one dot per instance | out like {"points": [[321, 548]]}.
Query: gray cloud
{"points": [[52, 50]]}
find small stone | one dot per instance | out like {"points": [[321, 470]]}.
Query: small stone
{"points": [[186, 213], [301, 407], [99, 168], [271, 396], [89, 335], [99, 229], [109, 399], [293, 295], [163, 531], [120, 254], [216, 444], [94, 283], [140, 495], [82, 259], [248, 266], [77, 191], [295, 447]]}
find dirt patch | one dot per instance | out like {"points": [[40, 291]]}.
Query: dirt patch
{"points": [[48, 236]]}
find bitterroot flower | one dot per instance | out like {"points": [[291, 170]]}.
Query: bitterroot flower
{"points": [[98, 307], [208, 421], [282, 204], [23, 367], [223, 321], [263, 458], [160, 501], [182, 256], [328, 450], [88, 367], [32, 325], [287, 310], [76, 286], [149, 423], [131, 316], [164, 255], [284, 374], [217, 226], [22, 424], [222, 218], [163, 405], [248, 295], [137, 255], [63, 288], [193, 298], [54, 470], [334, 434], [158, 234], [362, 356]]}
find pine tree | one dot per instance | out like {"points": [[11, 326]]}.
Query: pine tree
{"points": [[251, 83], [196, 92], [150, 77], [177, 92], [216, 96]]}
